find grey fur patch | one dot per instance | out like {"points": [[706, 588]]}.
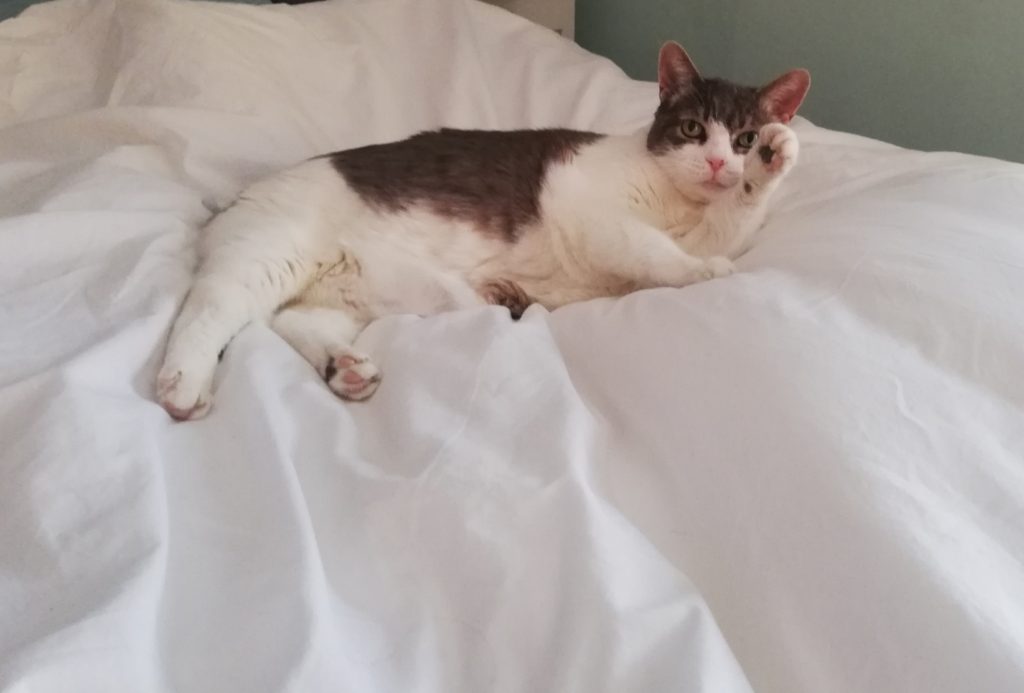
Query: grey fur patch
{"points": [[490, 178], [736, 107]]}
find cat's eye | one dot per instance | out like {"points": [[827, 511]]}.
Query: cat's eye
{"points": [[746, 139], [691, 128]]}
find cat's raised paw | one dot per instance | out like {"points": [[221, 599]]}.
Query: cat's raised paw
{"points": [[777, 148], [352, 376], [183, 395]]}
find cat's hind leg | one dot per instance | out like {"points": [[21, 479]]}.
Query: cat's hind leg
{"points": [[245, 277], [220, 303], [324, 338], [507, 293]]}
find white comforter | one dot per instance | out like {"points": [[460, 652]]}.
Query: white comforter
{"points": [[806, 477]]}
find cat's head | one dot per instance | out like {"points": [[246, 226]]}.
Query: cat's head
{"points": [[704, 128]]}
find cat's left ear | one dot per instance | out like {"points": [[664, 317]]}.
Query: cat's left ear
{"points": [[783, 97], [675, 69]]}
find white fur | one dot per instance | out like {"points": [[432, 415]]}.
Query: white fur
{"points": [[613, 219]]}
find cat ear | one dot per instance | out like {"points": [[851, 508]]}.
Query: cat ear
{"points": [[675, 69], [782, 97]]}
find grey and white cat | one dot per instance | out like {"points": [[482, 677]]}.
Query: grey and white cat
{"points": [[450, 219]]}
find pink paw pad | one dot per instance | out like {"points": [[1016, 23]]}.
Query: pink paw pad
{"points": [[352, 377]]}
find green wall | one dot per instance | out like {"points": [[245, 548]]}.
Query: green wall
{"points": [[928, 74], [11, 8]]}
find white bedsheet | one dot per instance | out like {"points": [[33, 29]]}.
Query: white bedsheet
{"points": [[806, 477]]}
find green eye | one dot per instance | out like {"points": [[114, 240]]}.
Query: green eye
{"points": [[746, 139], [691, 128]]}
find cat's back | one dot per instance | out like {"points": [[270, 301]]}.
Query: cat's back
{"points": [[492, 178]]}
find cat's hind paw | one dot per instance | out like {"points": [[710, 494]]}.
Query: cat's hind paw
{"points": [[351, 376], [183, 394]]}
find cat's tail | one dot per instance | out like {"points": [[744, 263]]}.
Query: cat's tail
{"points": [[255, 263]]}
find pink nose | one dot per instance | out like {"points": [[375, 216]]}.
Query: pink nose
{"points": [[715, 164]]}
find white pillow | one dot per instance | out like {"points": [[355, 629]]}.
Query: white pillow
{"points": [[345, 73], [246, 89]]}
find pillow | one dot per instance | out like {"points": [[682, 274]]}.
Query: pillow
{"points": [[247, 89]]}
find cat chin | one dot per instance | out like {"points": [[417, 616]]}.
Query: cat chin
{"points": [[706, 191]]}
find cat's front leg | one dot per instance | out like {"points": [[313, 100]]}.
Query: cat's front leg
{"points": [[645, 256], [768, 163]]}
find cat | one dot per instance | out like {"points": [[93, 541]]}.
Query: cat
{"points": [[453, 218]]}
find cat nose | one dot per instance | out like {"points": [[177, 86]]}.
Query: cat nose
{"points": [[716, 164]]}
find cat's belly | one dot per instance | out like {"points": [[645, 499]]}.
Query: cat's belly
{"points": [[403, 284], [370, 284], [546, 277], [558, 291], [369, 291], [417, 263], [412, 262], [553, 285]]}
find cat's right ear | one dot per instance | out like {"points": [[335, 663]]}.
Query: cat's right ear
{"points": [[783, 97], [675, 69]]}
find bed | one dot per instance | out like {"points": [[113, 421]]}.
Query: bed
{"points": [[808, 476]]}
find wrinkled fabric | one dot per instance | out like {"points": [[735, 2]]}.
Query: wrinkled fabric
{"points": [[808, 476]]}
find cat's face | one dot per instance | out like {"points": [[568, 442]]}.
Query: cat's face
{"points": [[704, 128]]}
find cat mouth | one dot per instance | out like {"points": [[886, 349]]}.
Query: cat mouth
{"points": [[715, 184]]}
